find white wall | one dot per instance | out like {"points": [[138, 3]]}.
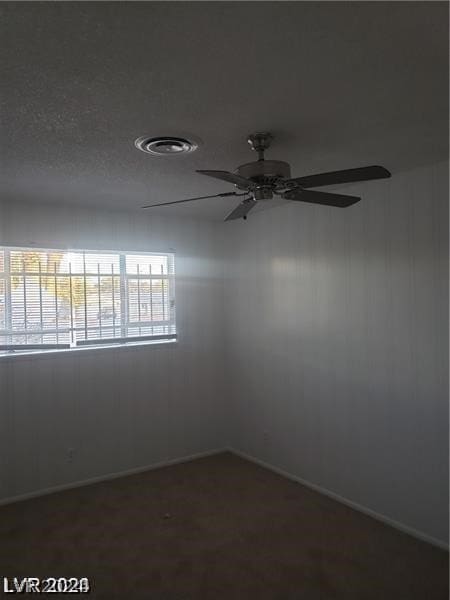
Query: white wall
{"points": [[119, 408], [337, 345]]}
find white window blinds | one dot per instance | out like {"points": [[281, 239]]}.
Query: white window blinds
{"points": [[62, 299]]}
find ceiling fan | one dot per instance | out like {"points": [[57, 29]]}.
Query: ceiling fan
{"points": [[262, 179]]}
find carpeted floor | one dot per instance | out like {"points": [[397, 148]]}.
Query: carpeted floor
{"points": [[212, 529]]}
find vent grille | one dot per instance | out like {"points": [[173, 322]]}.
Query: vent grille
{"points": [[166, 145]]}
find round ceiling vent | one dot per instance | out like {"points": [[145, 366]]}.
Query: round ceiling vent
{"points": [[166, 145]]}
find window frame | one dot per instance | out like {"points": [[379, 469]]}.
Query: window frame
{"points": [[16, 350]]}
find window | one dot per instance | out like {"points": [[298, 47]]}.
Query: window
{"points": [[55, 299]]}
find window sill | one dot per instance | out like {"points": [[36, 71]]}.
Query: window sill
{"points": [[39, 354]]}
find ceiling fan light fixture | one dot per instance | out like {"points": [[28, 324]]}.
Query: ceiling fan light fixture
{"points": [[166, 145]]}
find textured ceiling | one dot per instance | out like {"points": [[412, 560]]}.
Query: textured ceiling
{"points": [[340, 85]]}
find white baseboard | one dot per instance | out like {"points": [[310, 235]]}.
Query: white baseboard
{"points": [[367, 511], [115, 475]]}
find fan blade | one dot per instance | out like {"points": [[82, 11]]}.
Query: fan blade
{"points": [[241, 210], [320, 198], [241, 182], [347, 176], [198, 198]]}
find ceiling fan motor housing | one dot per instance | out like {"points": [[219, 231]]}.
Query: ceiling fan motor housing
{"points": [[265, 172]]}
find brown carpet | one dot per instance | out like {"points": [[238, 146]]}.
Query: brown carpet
{"points": [[235, 531]]}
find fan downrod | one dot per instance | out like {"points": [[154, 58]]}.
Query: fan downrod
{"points": [[259, 142]]}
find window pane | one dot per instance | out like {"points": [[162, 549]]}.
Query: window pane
{"points": [[103, 263], [146, 264], [148, 300]]}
